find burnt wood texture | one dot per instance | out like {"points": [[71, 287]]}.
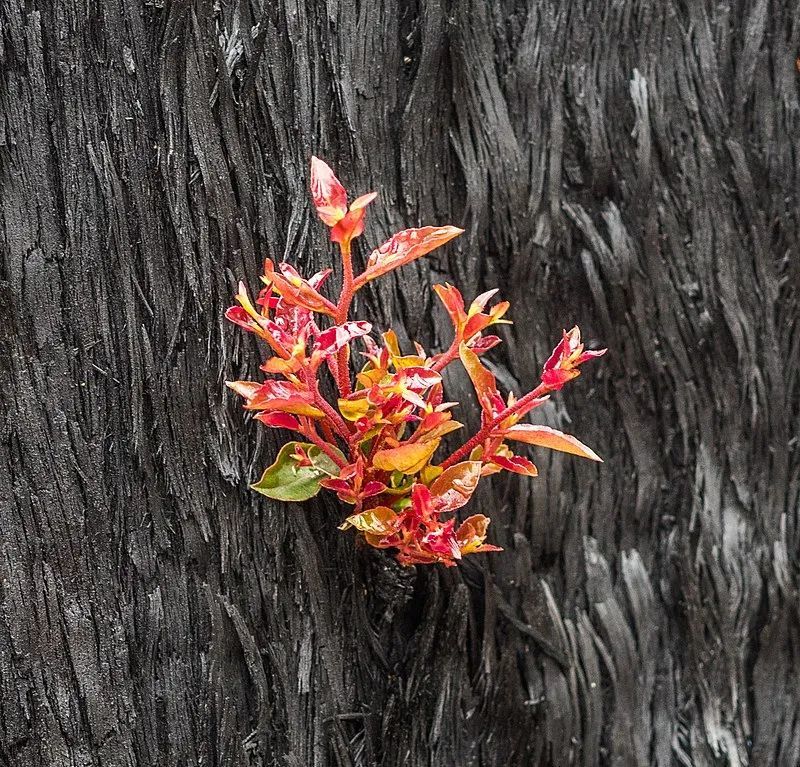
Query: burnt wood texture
{"points": [[629, 166]]}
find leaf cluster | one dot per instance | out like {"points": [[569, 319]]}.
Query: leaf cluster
{"points": [[376, 445]]}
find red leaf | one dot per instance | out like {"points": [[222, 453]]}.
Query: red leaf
{"points": [[484, 343], [330, 200], [328, 194], [278, 420], [453, 302], [515, 463], [350, 227], [478, 321], [291, 286], [372, 488], [283, 396], [556, 378], [442, 543], [468, 324], [561, 366], [240, 317], [405, 247], [334, 338]]}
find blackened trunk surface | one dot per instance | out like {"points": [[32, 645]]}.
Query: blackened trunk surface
{"points": [[629, 166]]}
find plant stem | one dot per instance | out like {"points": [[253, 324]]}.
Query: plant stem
{"points": [[342, 308], [486, 431], [326, 448], [447, 357], [328, 432], [336, 421]]}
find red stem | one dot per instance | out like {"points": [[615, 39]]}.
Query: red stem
{"points": [[376, 443], [481, 435], [447, 357], [336, 419], [342, 308], [326, 448], [328, 432]]}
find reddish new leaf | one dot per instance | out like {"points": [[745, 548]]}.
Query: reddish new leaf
{"points": [[283, 396], [515, 463], [334, 338], [278, 420], [453, 302], [290, 285], [562, 365], [328, 194], [330, 200], [405, 247], [441, 544]]}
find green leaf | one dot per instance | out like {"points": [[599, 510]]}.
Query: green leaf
{"points": [[285, 480], [402, 503], [322, 461]]}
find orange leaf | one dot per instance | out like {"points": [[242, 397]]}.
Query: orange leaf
{"points": [[363, 201], [246, 389], [435, 425], [291, 286], [544, 436], [472, 534], [453, 302], [482, 379], [456, 484], [408, 459], [272, 395]]}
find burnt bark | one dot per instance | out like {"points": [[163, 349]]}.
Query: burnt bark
{"points": [[630, 166]]}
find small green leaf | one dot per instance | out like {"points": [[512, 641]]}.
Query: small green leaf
{"points": [[322, 461], [401, 503], [286, 481]]}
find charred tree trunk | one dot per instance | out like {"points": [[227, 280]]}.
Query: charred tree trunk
{"points": [[630, 166]]}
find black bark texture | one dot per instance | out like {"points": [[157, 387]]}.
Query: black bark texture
{"points": [[629, 166]]}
